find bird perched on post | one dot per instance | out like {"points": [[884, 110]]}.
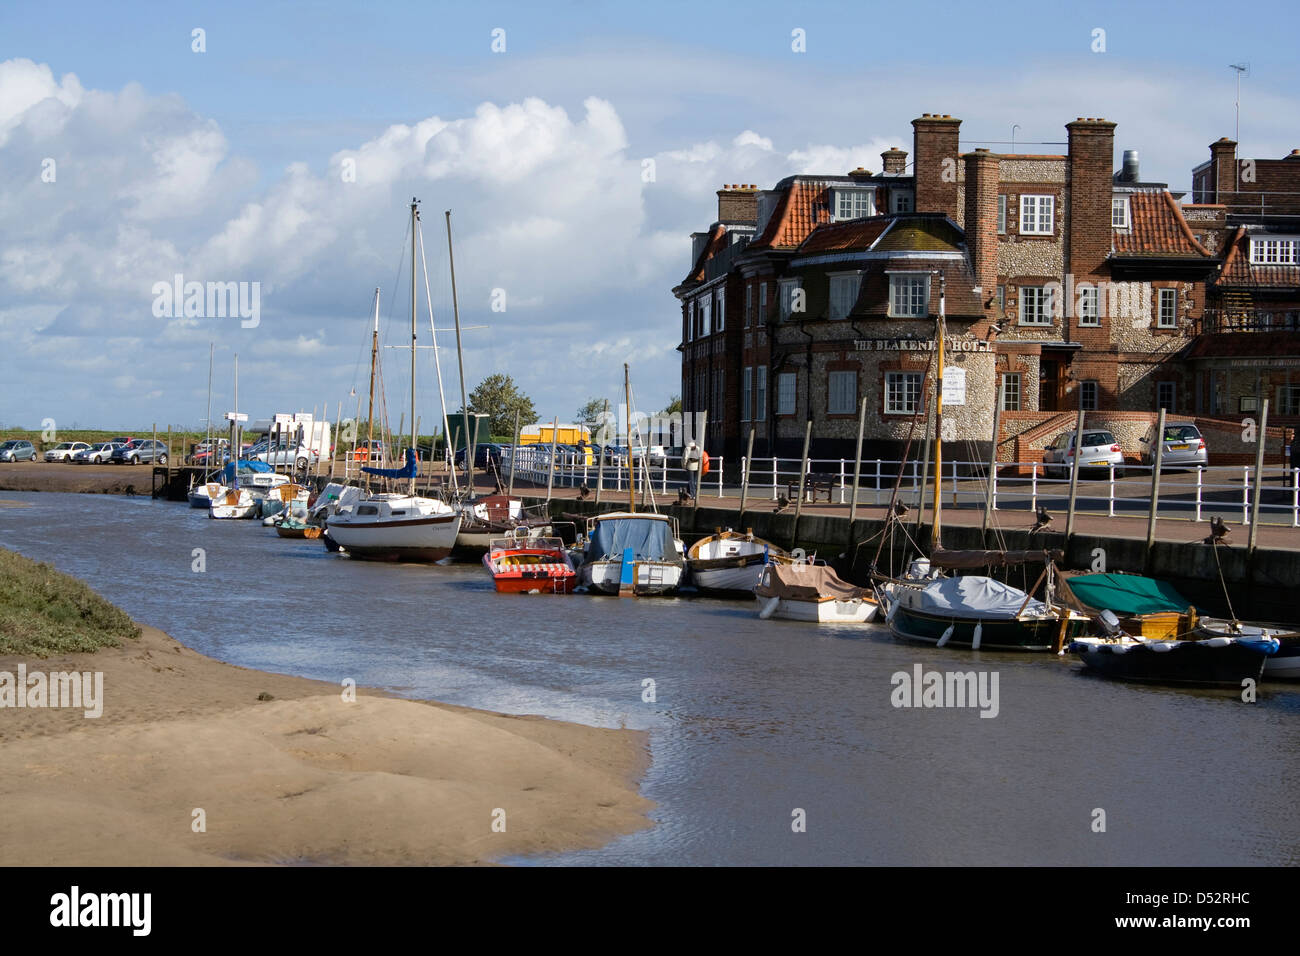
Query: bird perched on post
{"points": [[781, 504], [1044, 519], [900, 510], [683, 497], [1219, 530], [584, 492]]}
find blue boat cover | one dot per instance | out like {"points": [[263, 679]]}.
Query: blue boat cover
{"points": [[409, 470], [646, 538], [229, 471], [974, 596]]}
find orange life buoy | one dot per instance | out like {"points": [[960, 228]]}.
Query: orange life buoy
{"points": [[704, 462]]}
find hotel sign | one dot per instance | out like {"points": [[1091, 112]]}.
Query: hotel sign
{"points": [[920, 345]]}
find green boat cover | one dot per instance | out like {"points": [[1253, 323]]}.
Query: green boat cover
{"points": [[1126, 593]]}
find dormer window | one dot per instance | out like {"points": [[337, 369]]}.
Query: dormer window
{"points": [[1119, 212], [909, 295], [854, 203], [1275, 252]]}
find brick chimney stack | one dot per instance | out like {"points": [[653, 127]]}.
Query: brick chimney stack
{"points": [[1223, 155], [894, 159], [934, 163], [982, 223], [738, 203], [1088, 194]]}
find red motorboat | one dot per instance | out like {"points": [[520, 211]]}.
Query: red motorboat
{"points": [[523, 565]]}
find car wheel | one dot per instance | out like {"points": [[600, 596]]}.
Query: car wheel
{"points": [[135, 459], [162, 459], [301, 464], [33, 458]]}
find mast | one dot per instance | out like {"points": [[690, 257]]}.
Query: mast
{"points": [[936, 544], [437, 363], [631, 472], [460, 360], [370, 415], [212, 452], [234, 433], [415, 226]]}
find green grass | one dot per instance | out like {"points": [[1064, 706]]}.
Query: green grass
{"points": [[45, 613]]}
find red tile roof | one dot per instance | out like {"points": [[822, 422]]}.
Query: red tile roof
{"points": [[1238, 272], [1156, 229], [853, 234], [801, 209], [1245, 345]]}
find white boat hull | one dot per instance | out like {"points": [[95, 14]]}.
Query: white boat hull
{"points": [[245, 506], [427, 537], [651, 577], [819, 612], [728, 579]]}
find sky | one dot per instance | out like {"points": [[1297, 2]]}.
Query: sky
{"points": [[577, 145]]}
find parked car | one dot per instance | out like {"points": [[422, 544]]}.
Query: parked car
{"points": [[1184, 445], [482, 454], [64, 450], [95, 454], [1100, 450], [140, 451], [300, 457], [655, 454], [17, 449], [122, 440]]}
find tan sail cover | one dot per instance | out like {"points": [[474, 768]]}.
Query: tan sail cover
{"points": [[943, 558], [807, 582]]}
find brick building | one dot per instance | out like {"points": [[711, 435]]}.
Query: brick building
{"points": [[1066, 285]]}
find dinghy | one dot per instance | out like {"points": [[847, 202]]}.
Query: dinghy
{"points": [[1219, 661], [235, 503], [727, 562], [812, 592]]}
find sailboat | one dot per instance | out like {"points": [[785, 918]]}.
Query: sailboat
{"points": [[232, 501], [631, 552], [974, 611], [398, 527]]}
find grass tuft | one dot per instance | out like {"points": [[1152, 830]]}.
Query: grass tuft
{"points": [[45, 613]]}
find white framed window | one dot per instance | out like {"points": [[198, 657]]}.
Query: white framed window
{"points": [[786, 383], [690, 320], [760, 394], [1119, 212], [1002, 300], [1167, 316], [1281, 252], [762, 303], [1035, 305], [1166, 395], [842, 393], [1011, 392], [1089, 395], [749, 305], [706, 315], [900, 201], [854, 204], [1037, 215], [844, 293], [909, 295], [791, 298], [746, 391], [1002, 213], [720, 320], [903, 393], [1088, 307]]}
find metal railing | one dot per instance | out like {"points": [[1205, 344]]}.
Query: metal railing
{"points": [[1194, 493]]}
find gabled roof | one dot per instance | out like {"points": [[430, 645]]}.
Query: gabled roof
{"points": [[1157, 229], [1238, 271]]}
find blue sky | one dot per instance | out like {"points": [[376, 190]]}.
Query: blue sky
{"points": [[224, 166]]}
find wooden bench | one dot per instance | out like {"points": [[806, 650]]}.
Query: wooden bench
{"points": [[814, 482]]}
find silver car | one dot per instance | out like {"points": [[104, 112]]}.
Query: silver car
{"points": [[17, 449], [1100, 450], [1184, 445], [95, 454]]}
